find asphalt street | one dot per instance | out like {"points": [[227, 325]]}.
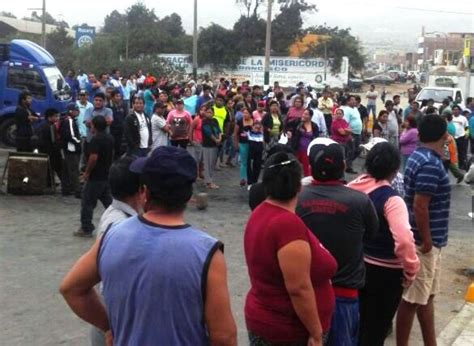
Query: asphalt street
{"points": [[37, 248]]}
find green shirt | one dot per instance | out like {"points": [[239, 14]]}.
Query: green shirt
{"points": [[220, 113]]}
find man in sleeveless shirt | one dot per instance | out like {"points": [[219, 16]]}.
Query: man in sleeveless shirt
{"points": [[163, 280]]}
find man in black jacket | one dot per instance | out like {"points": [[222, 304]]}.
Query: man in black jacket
{"points": [[49, 140], [24, 116], [138, 130], [119, 111], [96, 184], [71, 150]]}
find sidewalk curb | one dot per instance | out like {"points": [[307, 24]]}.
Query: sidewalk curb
{"points": [[460, 330]]}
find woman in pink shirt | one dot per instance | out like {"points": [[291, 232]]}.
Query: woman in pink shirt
{"points": [[390, 257], [195, 139], [180, 122], [294, 113], [260, 112]]}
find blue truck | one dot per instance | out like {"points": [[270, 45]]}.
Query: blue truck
{"points": [[24, 65]]}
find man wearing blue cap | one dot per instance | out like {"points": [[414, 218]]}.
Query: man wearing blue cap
{"points": [[162, 278], [71, 151]]}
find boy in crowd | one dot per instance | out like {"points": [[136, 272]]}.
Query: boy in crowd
{"points": [[428, 201], [71, 149], [50, 144]]}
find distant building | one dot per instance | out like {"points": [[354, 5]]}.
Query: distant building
{"points": [[439, 48], [10, 26]]}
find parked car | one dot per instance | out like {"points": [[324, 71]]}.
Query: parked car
{"points": [[355, 84], [380, 79]]}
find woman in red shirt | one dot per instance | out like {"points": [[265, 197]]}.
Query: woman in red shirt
{"points": [[291, 299], [340, 130]]}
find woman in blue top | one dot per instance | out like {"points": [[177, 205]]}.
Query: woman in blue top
{"points": [[164, 281], [149, 100]]}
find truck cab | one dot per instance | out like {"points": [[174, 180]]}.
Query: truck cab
{"points": [[438, 94], [24, 65]]}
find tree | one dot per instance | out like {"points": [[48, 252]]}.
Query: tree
{"points": [[49, 19], [76, 26], [173, 38], [114, 23], [340, 43], [250, 35], [287, 26], [216, 46], [61, 46], [7, 14], [250, 6]]}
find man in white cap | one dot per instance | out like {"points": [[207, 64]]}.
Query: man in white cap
{"points": [[342, 219]]}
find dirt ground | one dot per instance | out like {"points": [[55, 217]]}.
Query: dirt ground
{"points": [[37, 248]]}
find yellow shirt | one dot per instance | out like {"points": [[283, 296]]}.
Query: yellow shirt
{"points": [[325, 105], [275, 131]]}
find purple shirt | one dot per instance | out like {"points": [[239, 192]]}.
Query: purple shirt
{"points": [[305, 139], [408, 141]]}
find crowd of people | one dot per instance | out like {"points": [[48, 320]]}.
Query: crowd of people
{"points": [[330, 261]]}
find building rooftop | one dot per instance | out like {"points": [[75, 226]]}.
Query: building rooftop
{"points": [[29, 26]]}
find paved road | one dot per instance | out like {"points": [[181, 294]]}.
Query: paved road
{"points": [[37, 248]]}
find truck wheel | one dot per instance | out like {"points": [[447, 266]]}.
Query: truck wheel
{"points": [[8, 132]]}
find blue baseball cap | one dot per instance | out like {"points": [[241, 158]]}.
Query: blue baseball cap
{"points": [[166, 163]]}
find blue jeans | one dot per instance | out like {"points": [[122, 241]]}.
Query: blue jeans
{"points": [[345, 323], [244, 157], [255, 340], [229, 148], [373, 108]]}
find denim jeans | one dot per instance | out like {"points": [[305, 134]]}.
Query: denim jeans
{"points": [[345, 322], [94, 190], [229, 148], [255, 340], [372, 108], [244, 156]]}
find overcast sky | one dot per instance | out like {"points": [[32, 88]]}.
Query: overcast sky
{"points": [[370, 19]]}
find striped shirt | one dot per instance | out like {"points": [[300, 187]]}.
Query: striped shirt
{"points": [[425, 174]]}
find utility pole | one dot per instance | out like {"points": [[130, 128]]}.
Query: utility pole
{"points": [[268, 40], [43, 25], [43, 22], [126, 38], [325, 60], [195, 42]]}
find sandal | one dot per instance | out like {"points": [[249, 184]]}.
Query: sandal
{"points": [[212, 186]]}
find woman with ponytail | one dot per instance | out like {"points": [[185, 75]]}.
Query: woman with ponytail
{"points": [[291, 299]]}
